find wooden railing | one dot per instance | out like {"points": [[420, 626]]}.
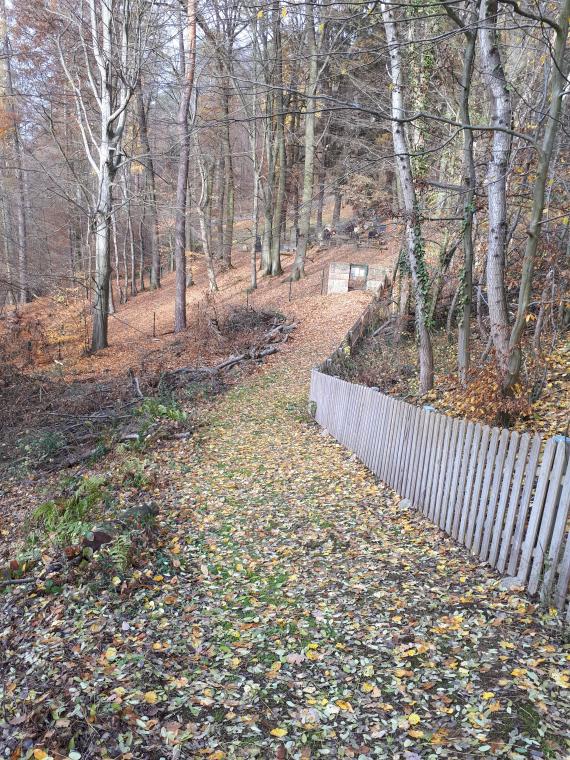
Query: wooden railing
{"points": [[502, 494]]}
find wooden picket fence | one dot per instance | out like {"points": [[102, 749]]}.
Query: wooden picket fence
{"points": [[502, 494]]}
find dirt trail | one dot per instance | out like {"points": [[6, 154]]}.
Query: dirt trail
{"points": [[296, 612]]}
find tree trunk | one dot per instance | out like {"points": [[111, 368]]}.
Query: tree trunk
{"points": [[298, 269], [469, 180], [204, 213], [22, 232], [102, 253], [229, 189], [557, 87], [337, 207], [501, 114], [221, 208], [150, 188], [189, 64], [321, 192], [413, 224]]}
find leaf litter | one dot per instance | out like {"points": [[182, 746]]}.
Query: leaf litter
{"points": [[290, 609]]}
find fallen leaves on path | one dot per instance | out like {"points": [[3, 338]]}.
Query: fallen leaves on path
{"points": [[293, 610]]}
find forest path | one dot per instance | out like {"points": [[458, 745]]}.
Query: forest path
{"points": [[294, 612], [326, 621]]}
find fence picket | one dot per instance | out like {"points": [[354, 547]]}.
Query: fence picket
{"points": [[398, 439], [408, 463], [557, 540], [370, 423], [536, 510], [548, 516], [486, 487], [477, 483], [462, 480], [507, 476], [418, 460], [407, 446], [443, 471], [380, 435], [387, 454], [561, 593], [524, 506], [402, 447], [471, 477], [458, 453], [499, 474], [430, 439], [454, 446]]}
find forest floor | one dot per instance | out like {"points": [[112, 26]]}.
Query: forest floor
{"points": [[285, 607]]}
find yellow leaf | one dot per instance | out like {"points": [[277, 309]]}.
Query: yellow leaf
{"points": [[367, 687], [151, 697], [259, 14], [488, 695], [346, 706], [416, 733], [111, 654], [561, 679], [414, 719], [39, 754], [517, 672], [278, 732], [284, 12]]}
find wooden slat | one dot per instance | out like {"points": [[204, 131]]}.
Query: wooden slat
{"points": [[485, 488], [459, 495], [444, 469], [396, 447], [407, 447], [561, 593], [355, 429], [386, 454], [434, 453], [402, 446], [536, 510], [370, 422], [505, 538], [458, 454], [415, 466], [497, 528], [451, 454], [477, 483], [548, 516], [557, 543], [521, 518], [409, 468], [390, 448], [345, 411], [430, 445], [499, 475], [380, 435], [471, 460]]}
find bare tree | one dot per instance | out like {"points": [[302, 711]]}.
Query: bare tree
{"points": [[414, 241], [558, 89], [497, 170], [188, 67], [21, 205], [106, 30], [298, 269]]}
